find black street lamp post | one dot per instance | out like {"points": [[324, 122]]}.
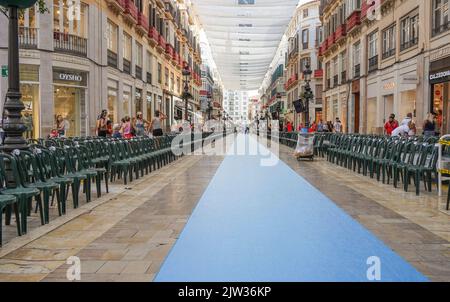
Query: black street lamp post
{"points": [[308, 94], [209, 106], [186, 94], [12, 123]]}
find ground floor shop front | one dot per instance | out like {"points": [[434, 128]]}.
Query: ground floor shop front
{"points": [[78, 93]]}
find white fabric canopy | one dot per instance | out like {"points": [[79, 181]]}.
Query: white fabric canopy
{"points": [[244, 36]]}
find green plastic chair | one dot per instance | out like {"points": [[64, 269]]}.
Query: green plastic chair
{"points": [[14, 186], [6, 202]]}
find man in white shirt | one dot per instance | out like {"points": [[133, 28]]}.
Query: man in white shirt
{"points": [[401, 130], [407, 119], [338, 126]]}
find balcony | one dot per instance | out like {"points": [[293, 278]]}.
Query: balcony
{"points": [[340, 32], [126, 66], [161, 44], [357, 71], [131, 12], [169, 51], [389, 53], [330, 40], [28, 37], [353, 20], [409, 44], [153, 36], [142, 24], [175, 58], [318, 73], [324, 46], [138, 72], [292, 81], [70, 44], [112, 59], [365, 9], [117, 6], [373, 63]]}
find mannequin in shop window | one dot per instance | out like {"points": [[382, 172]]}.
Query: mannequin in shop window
{"points": [[27, 120]]}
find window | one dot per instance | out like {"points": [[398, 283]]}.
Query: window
{"points": [[409, 31], [138, 54], [356, 59], [159, 73], [373, 45], [126, 46], [305, 13], [373, 51], [111, 36], [70, 17], [389, 42], [305, 38], [166, 76], [149, 68], [343, 69], [351, 6], [440, 16]]}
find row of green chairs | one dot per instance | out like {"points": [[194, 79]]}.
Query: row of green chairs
{"points": [[53, 167], [399, 159]]}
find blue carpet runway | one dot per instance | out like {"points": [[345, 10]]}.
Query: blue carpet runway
{"points": [[257, 223]]}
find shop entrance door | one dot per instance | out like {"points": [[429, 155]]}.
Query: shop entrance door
{"points": [[67, 103], [356, 112]]}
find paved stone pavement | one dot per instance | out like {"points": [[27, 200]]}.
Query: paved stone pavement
{"points": [[417, 228], [125, 235], [125, 238]]}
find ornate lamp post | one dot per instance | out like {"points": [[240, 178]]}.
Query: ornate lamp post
{"points": [[13, 125], [209, 105], [186, 94], [308, 94]]}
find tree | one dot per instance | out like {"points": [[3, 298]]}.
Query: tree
{"points": [[42, 8]]}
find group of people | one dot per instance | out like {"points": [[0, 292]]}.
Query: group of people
{"points": [[129, 127], [329, 126], [408, 127]]}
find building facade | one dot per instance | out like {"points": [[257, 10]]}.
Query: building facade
{"points": [[236, 104], [303, 34], [122, 55], [378, 62]]}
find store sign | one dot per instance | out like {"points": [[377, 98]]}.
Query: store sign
{"points": [[435, 77], [389, 86], [411, 79], [70, 77]]}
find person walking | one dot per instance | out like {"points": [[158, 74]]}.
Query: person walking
{"points": [[289, 126], [102, 124], [429, 125], [337, 126], [391, 125], [126, 128], [320, 126], [156, 127]]}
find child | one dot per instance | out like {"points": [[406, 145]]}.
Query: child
{"points": [[116, 131]]}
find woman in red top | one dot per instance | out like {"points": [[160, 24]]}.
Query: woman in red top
{"points": [[289, 126], [390, 125]]}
